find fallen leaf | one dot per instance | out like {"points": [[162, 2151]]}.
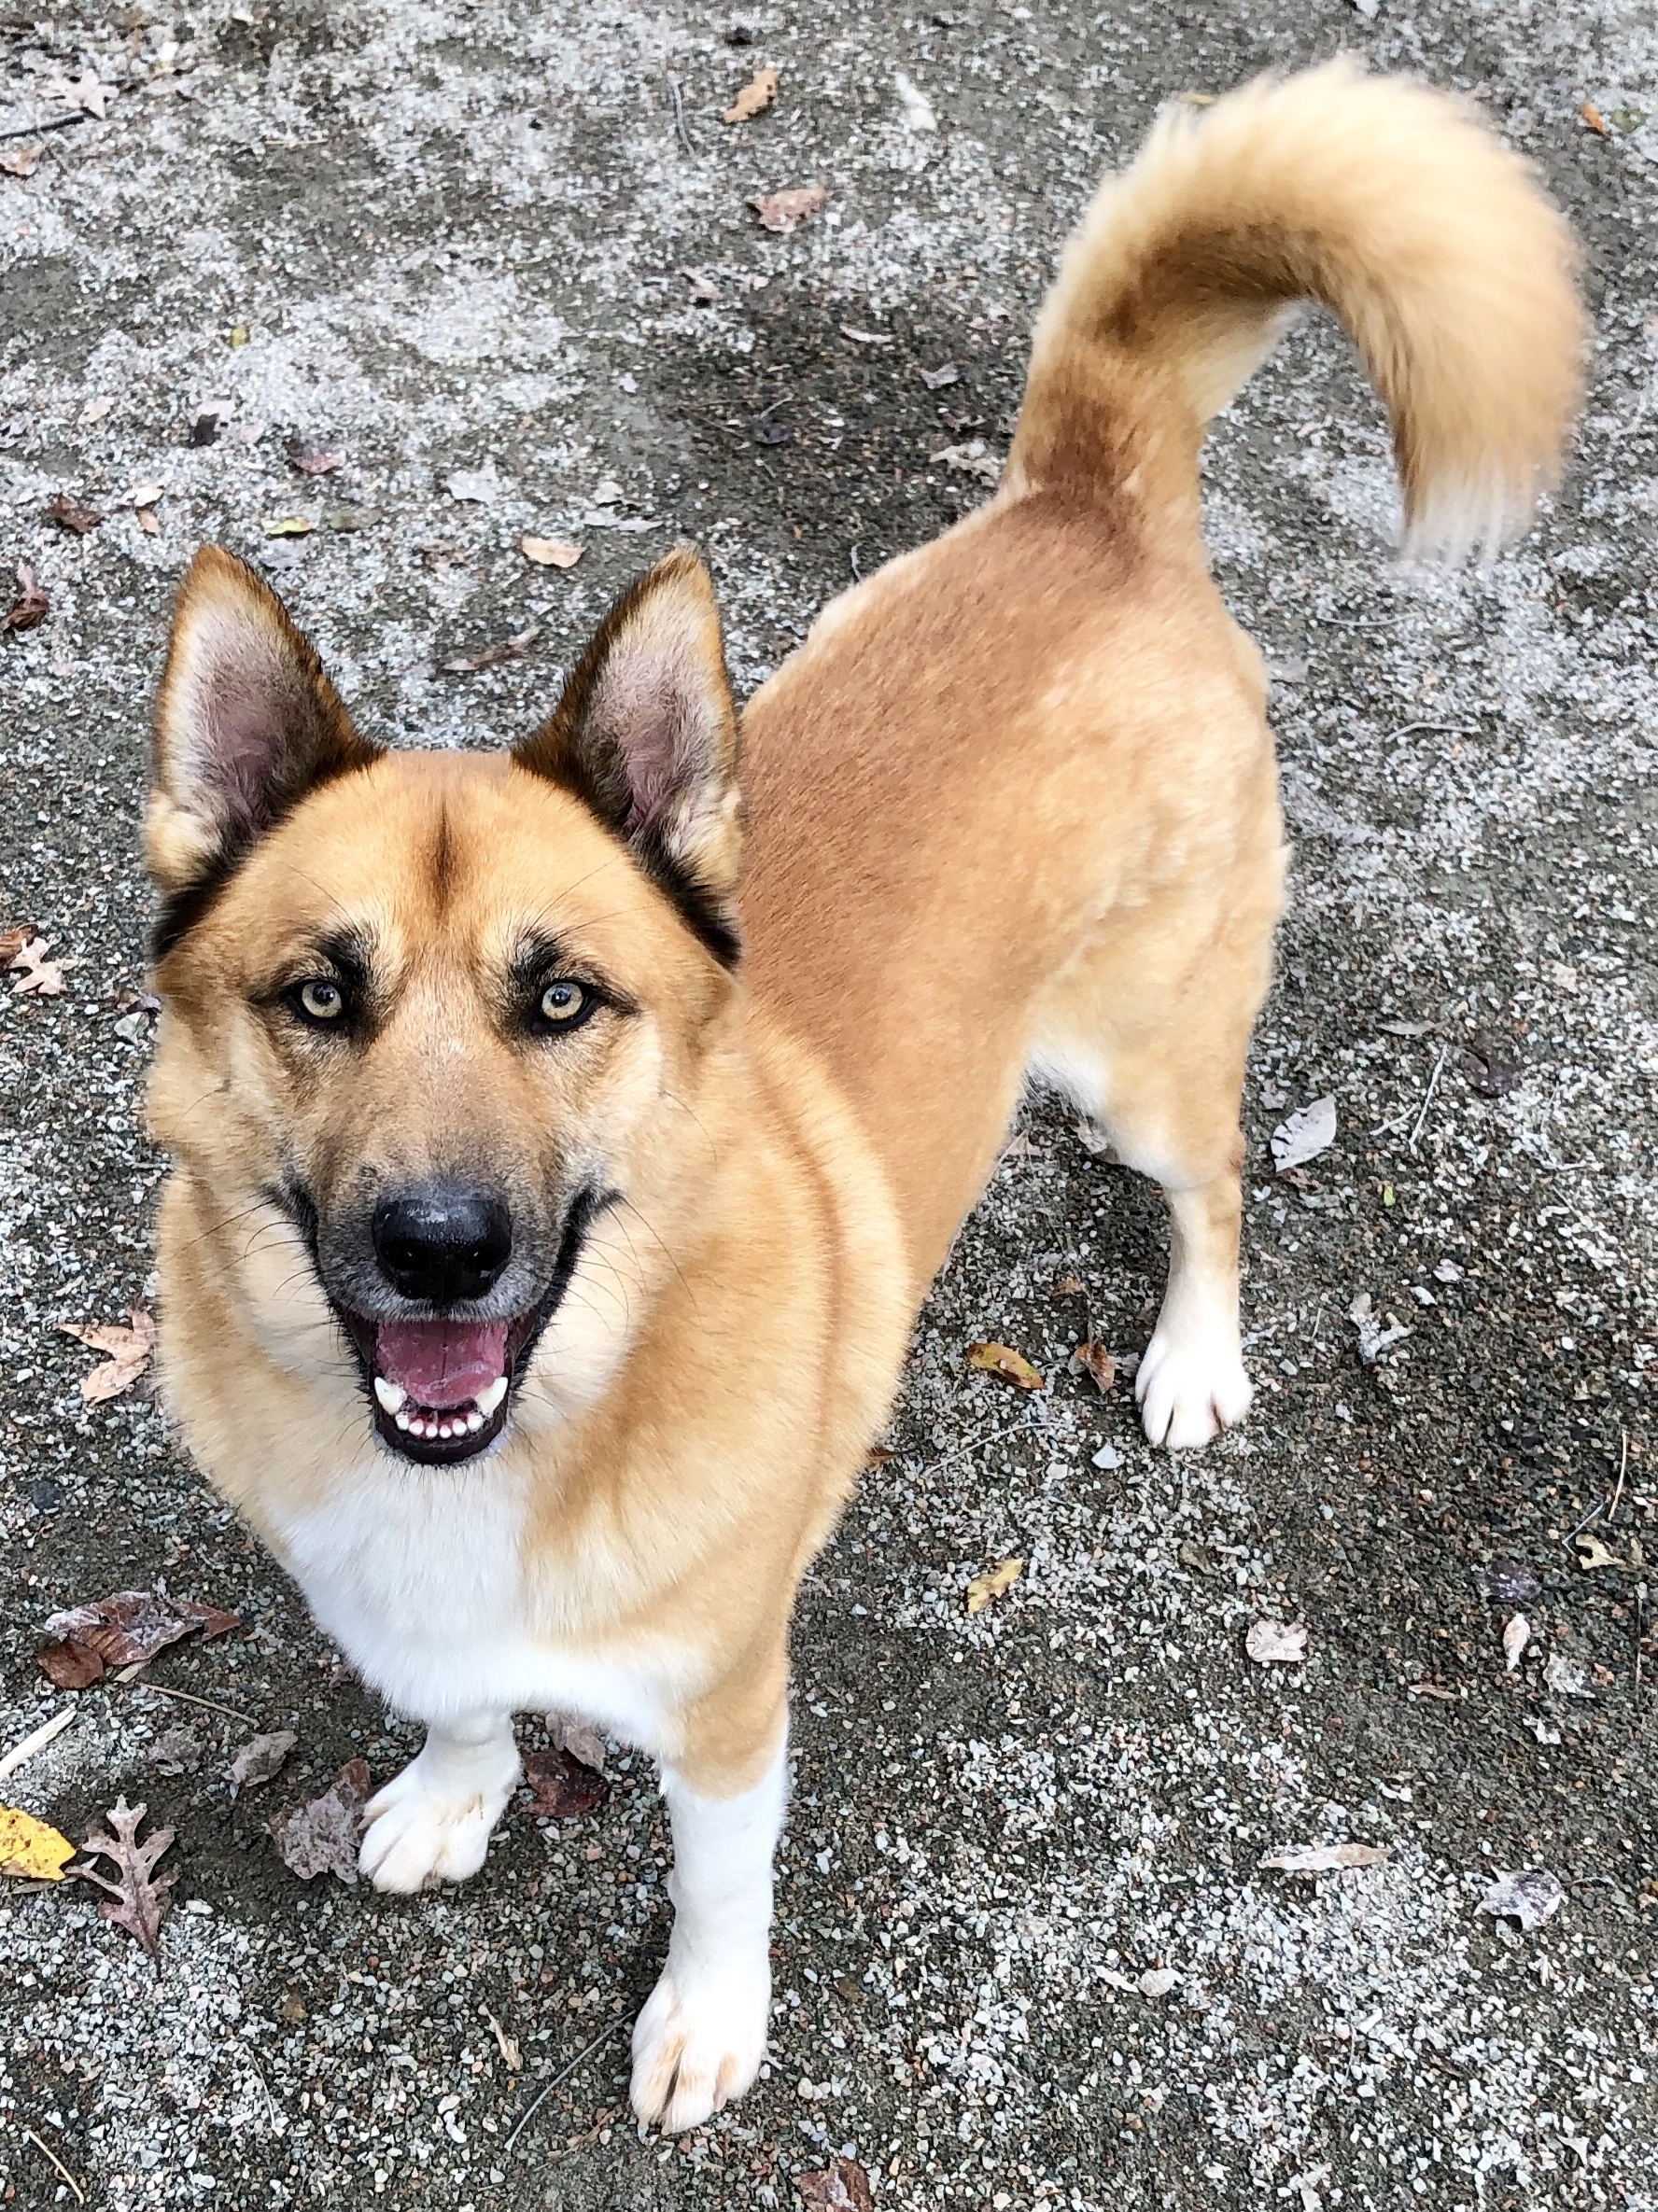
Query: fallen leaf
{"points": [[12, 940], [1489, 1070], [129, 1351], [1593, 118], [70, 1665], [1000, 1359], [490, 656], [841, 2186], [321, 1836], [95, 409], [175, 1751], [289, 526], [1567, 1677], [88, 92], [131, 1626], [240, 335], [259, 1758], [550, 552], [607, 491], [1324, 1858], [30, 1849], [1516, 1636], [1447, 1272], [311, 459], [480, 488], [1531, 1896], [63, 511], [21, 160], [564, 1787], [937, 379], [970, 460], [1068, 1286], [139, 1905], [511, 2057], [1511, 1582], [31, 607], [1157, 1981], [204, 431], [41, 978], [984, 1588], [1096, 1361], [145, 495], [703, 287], [1435, 1690], [1304, 1134], [785, 211], [1374, 1336], [1592, 1553], [1276, 1642], [755, 97], [148, 522], [1544, 1730], [581, 1740]]}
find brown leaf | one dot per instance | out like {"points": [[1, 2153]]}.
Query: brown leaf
{"points": [[579, 1738], [1096, 1361], [755, 97], [878, 1455], [1000, 1359], [259, 1758], [509, 648], [139, 1906], [133, 1625], [70, 1664], [20, 161], [322, 1835], [550, 552], [31, 607], [129, 1351], [1068, 1286], [787, 210], [1593, 118], [564, 1787], [983, 1588], [842, 2186], [311, 459], [63, 511], [12, 940], [40, 978]]}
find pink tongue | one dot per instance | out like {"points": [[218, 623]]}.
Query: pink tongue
{"points": [[442, 1363]]}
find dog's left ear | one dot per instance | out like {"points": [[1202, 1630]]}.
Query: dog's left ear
{"points": [[246, 724], [645, 735]]}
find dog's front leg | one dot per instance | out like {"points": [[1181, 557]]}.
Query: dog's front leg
{"points": [[433, 1821], [701, 2036]]}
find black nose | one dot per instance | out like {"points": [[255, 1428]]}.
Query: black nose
{"points": [[442, 1241]]}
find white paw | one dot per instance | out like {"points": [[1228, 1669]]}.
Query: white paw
{"points": [[433, 1823], [698, 2042], [1191, 1383]]}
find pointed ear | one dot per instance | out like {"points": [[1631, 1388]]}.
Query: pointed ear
{"points": [[246, 724], [645, 735]]}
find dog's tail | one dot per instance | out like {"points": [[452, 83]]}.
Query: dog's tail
{"points": [[1392, 205]]}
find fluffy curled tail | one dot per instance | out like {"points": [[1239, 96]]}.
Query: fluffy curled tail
{"points": [[1390, 204]]}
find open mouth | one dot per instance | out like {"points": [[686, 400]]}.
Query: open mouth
{"points": [[441, 1388]]}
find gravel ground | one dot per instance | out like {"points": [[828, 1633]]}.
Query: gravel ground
{"points": [[1027, 1954]]}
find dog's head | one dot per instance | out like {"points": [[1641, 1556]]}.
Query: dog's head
{"points": [[436, 1022]]}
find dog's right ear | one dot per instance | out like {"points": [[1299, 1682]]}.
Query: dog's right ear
{"points": [[246, 724]]}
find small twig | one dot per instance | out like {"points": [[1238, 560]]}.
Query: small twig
{"points": [[272, 2106], [857, 572], [1611, 1509], [679, 108], [189, 1698], [563, 2073], [1433, 1084], [1641, 1617], [47, 2151], [37, 1740], [52, 122], [1442, 729]]}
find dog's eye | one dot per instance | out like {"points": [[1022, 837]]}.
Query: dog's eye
{"points": [[318, 1000], [565, 1002]]}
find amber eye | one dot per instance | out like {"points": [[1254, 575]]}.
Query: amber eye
{"points": [[564, 1002], [319, 1000]]}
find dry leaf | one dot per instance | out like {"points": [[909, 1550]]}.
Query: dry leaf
{"points": [[145, 495], [21, 160], [95, 409], [1435, 1690], [1157, 1981], [1593, 118], [1275, 1642], [491, 656], [259, 1758], [755, 97], [39, 977], [289, 526], [1530, 1897], [1592, 1553], [1096, 1361], [937, 380], [148, 522], [511, 2057], [702, 284], [31, 607], [139, 1904], [550, 552], [1068, 1286], [1000, 1359], [68, 516], [787, 210], [1323, 1858], [69, 1665], [1306, 1133], [132, 1626], [30, 1849], [579, 1738], [175, 1751], [564, 1787], [842, 2186], [1516, 1636], [129, 1351], [12, 940], [972, 459], [322, 1837], [983, 1588], [318, 460], [88, 92]]}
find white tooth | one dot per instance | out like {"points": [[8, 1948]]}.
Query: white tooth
{"points": [[404, 1421], [446, 1428], [489, 1399], [474, 1422], [417, 1427], [392, 1395]]}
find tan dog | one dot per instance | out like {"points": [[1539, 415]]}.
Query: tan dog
{"points": [[537, 1268]]}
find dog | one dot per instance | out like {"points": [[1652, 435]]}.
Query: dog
{"points": [[565, 1137]]}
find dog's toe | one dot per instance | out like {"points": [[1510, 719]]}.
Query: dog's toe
{"points": [[697, 2044], [1191, 1386], [416, 1836]]}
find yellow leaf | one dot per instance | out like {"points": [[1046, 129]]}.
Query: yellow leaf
{"points": [[28, 1847], [289, 526], [757, 95], [1000, 1359], [550, 552], [996, 1584]]}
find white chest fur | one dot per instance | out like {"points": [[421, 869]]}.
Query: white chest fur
{"points": [[418, 1575]]}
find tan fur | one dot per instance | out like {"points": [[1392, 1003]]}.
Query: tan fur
{"points": [[1012, 807]]}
